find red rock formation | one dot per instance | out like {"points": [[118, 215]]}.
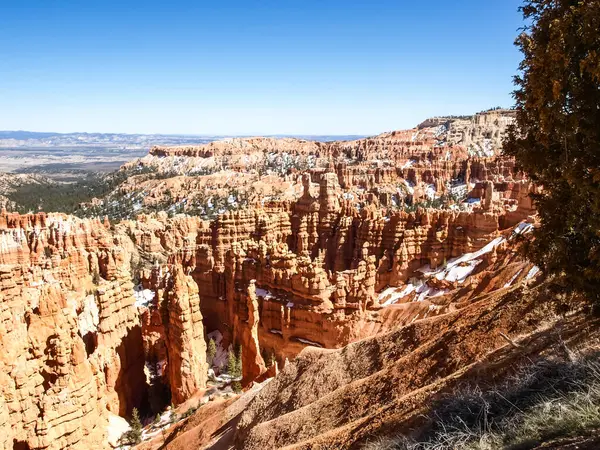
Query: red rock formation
{"points": [[70, 340], [310, 269], [187, 365]]}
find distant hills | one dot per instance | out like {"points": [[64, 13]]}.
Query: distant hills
{"points": [[33, 139]]}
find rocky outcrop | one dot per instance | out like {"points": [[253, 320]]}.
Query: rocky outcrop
{"points": [[70, 338], [186, 348], [318, 265]]}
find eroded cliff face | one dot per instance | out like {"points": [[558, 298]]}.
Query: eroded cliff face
{"points": [[71, 341], [392, 229], [70, 337], [323, 271]]}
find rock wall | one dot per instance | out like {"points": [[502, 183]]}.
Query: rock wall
{"points": [[286, 275], [70, 337]]}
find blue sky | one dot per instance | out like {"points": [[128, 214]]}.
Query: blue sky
{"points": [[251, 67]]}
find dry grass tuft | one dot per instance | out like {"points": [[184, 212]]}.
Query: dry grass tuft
{"points": [[542, 401]]}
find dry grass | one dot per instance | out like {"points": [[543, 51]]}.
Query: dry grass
{"points": [[540, 402]]}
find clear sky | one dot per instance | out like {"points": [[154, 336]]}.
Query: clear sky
{"points": [[251, 67]]}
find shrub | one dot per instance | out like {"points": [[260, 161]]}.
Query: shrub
{"points": [[540, 402]]}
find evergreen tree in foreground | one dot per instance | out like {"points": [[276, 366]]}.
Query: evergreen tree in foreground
{"points": [[211, 351], [556, 140], [134, 435], [231, 364], [239, 362], [136, 426]]}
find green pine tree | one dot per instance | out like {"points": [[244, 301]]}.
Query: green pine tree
{"points": [[556, 140], [136, 426], [211, 351], [231, 364], [134, 435], [239, 367]]}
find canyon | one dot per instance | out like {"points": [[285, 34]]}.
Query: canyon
{"points": [[343, 267]]}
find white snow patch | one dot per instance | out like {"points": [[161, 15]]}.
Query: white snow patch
{"points": [[523, 228], [264, 293], [393, 294], [430, 192], [309, 342], [116, 427], [275, 331], [424, 291], [459, 189], [143, 297], [459, 272], [409, 186], [458, 269], [220, 359], [151, 431], [89, 318], [532, 273], [514, 277]]}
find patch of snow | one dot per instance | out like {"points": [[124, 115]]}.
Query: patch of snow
{"points": [[89, 318], [458, 189], [309, 342], [409, 186], [458, 269], [275, 331], [532, 272], [143, 297], [424, 291], [408, 164], [116, 427], [290, 305], [430, 192], [393, 294], [151, 431], [220, 359], [514, 277], [459, 272], [523, 228], [264, 293]]}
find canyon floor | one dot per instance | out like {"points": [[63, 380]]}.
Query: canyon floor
{"points": [[373, 289]]}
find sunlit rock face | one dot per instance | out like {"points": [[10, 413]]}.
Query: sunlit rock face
{"points": [[99, 318], [70, 337]]}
